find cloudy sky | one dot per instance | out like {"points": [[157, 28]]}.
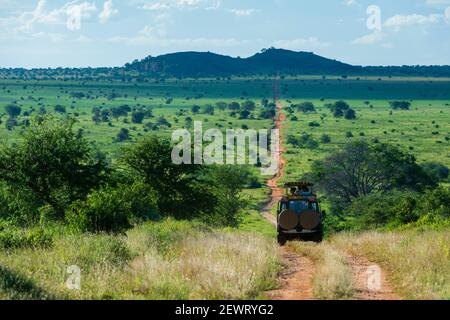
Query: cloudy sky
{"points": [[54, 33]]}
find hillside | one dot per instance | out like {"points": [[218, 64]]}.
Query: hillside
{"points": [[268, 61], [196, 64]]}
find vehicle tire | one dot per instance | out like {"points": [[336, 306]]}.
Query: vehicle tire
{"points": [[282, 239], [318, 236]]}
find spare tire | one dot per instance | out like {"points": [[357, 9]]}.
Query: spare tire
{"points": [[310, 219], [288, 220]]}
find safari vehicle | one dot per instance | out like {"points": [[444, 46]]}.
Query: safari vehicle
{"points": [[299, 215]]}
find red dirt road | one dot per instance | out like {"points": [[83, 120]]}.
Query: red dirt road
{"points": [[276, 191], [297, 278]]}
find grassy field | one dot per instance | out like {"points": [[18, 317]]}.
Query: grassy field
{"points": [[163, 260], [186, 260], [174, 99], [421, 131], [418, 261]]}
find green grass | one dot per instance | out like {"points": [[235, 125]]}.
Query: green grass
{"points": [[411, 130], [183, 260], [255, 223]]}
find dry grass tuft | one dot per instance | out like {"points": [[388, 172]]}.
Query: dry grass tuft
{"points": [[333, 277], [418, 262]]}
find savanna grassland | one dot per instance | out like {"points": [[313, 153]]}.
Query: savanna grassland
{"points": [[183, 259]]}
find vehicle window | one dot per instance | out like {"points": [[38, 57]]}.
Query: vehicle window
{"points": [[298, 206]]}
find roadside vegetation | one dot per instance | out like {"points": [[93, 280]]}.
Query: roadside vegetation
{"points": [[86, 179], [141, 228], [418, 260], [387, 199], [157, 260]]}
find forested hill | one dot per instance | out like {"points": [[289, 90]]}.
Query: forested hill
{"points": [[268, 61], [195, 64]]}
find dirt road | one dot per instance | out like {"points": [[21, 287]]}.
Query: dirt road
{"points": [[276, 191], [298, 276]]}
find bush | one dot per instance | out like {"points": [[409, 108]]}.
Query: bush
{"points": [[227, 183], [304, 141], [305, 107], [111, 210], [18, 206], [325, 139], [13, 110], [437, 171], [402, 105], [103, 210], [397, 209], [350, 114], [123, 135], [137, 117], [342, 109], [60, 108], [15, 238]]}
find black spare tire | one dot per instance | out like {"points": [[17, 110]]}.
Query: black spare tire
{"points": [[288, 220], [309, 219]]}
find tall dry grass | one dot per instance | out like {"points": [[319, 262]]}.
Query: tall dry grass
{"points": [[165, 260], [417, 261]]}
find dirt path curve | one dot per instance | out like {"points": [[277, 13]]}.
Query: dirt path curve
{"points": [[366, 289], [297, 278]]}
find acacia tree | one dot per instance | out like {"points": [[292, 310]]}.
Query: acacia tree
{"points": [[180, 190], [13, 110], [361, 169], [55, 163]]}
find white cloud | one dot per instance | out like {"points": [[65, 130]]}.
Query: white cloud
{"points": [[177, 4], [398, 21], [242, 12], [301, 44], [108, 11], [70, 14], [350, 3], [369, 39], [447, 15], [76, 12]]}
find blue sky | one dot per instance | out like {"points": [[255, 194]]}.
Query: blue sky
{"points": [[54, 33]]}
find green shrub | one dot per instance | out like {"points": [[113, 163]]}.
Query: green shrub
{"points": [[437, 171], [112, 209], [164, 235], [15, 238], [18, 206], [105, 210], [397, 209]]}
